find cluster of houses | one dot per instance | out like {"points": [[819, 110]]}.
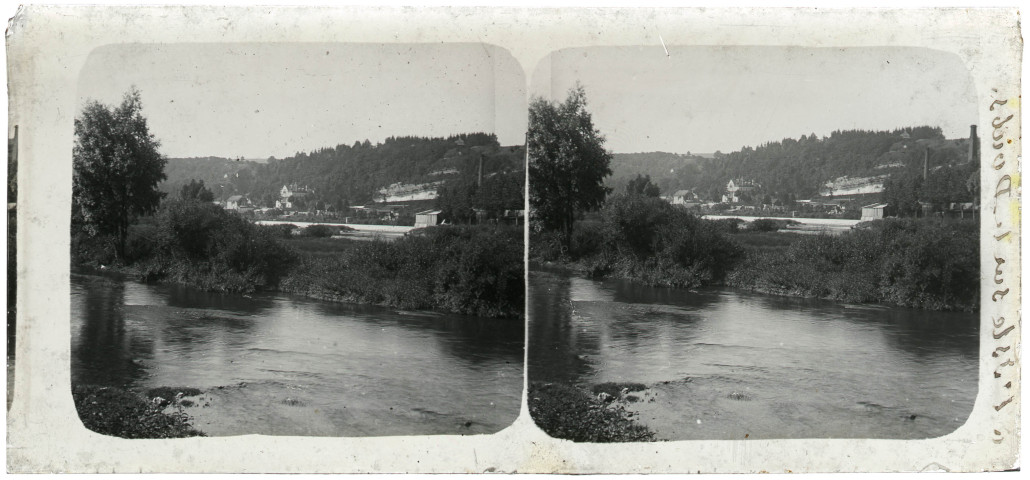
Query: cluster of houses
{"points": [[293, 197], [739, 190]]}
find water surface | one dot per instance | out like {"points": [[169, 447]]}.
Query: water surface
{"points": [[283, 365], [724, 364]]}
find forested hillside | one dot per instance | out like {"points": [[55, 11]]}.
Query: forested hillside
{"points": [[663, 168], [223, 176], [802, 167], [355, 174]]}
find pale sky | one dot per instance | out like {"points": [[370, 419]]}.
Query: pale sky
{"points": [[260, 100], [703, 99]]}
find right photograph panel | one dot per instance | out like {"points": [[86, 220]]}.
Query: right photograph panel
{"points": [[752, 242]]}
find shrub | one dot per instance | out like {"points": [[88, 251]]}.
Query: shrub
{"points": [[567, 412], [465, 269], [906, 262], [548, 246], [93, 251], [587, 239], [763, 225], [318, 231], [281, 231], [651, 241], [142, 242], [112, 411], [205, 246]]}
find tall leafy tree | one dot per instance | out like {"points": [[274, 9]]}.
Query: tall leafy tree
{"points": [[641, 185], [195, 190], [117, 167], [567, 162]]}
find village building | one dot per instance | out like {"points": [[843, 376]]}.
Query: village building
{"points": [[384, 212], [737, 187], [427, 218], [875, 211], [515, 217], [682, 197], [290, 194], [962, 209], [237, 202]]}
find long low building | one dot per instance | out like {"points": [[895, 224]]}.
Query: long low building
{"points": [[427, 218], [875, 211]]}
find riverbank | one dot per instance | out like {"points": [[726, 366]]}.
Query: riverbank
{"points": [[468, 270], [474, 270], [908, 263], [918, 263], [599, 416], [126, 414]]}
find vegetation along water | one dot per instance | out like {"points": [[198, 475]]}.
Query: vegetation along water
{"points": [[637, 290], [151, 356]]}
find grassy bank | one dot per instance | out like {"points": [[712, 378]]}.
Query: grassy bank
{"points": [[568, 412], [915, 263], [475, 270], [121, 413], [644, 239], [909, 263], [469, 270]]}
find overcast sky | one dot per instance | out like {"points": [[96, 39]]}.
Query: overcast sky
{"points": [[703, 99], [260, 100]]}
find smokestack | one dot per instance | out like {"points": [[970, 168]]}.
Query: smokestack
{"points": [[974, 144], [926, 162], [479, 182]]}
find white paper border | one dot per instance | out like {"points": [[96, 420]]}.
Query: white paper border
{"points": [[47, 47]]}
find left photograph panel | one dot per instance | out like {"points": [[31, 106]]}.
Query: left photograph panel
{"points": [[298, 239]]}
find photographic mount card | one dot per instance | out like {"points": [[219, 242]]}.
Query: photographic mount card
{"points": [[49, 47]]}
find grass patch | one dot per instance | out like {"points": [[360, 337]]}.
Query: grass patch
{"points": [[120, 413], [320, 247], [766, 241], [914, 263], [567, 412]]}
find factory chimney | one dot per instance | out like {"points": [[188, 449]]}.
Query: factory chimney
{"points": [[479, 181], [926, 162], [974, 145]]}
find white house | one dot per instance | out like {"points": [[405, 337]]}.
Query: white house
{"points": [[427, 218], [289, 193], [875, 211], [682, 196], [236, 202]]}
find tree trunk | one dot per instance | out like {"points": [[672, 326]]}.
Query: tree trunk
{"points": [[123, 232]]}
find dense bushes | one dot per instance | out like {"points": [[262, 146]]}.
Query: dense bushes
{"points": [[568, 412], [319, 231], [474, 270], [195, 243], [112, 411], [466, 269], [906, 262], [647, 239]]}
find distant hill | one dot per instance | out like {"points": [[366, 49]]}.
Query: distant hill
{"points": [[846, 161], [662, 167], [398, 168], [220, 175]]}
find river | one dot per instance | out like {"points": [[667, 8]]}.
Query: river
{"points": [[723, 364], [282, 365]]}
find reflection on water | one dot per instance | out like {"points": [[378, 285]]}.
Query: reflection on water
{"points": [[726, 364], [282, 365]]}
